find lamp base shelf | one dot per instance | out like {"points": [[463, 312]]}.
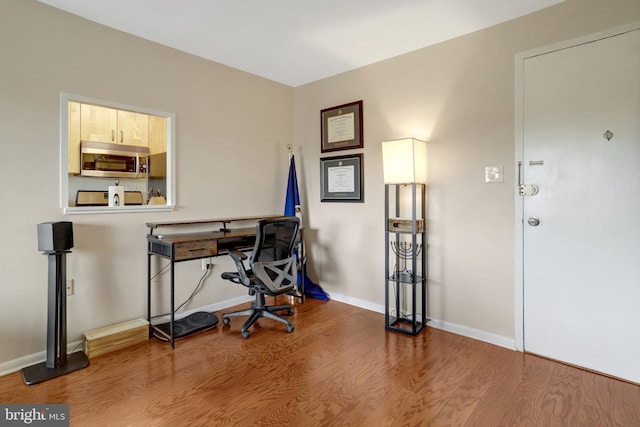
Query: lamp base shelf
{"points": [[405, 325], [405, 258]]}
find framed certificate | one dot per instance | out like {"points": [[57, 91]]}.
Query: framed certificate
{"points": [[341, 127], [341, 179]]}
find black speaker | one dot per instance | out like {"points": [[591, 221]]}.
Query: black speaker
{"points": [[55, 236]]}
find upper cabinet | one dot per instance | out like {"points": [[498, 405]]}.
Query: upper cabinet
{"points": [[74, 137], [97, 123], [157, 134], [87, 122], [133, 128], [102, 124]]}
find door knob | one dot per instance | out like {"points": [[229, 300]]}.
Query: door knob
{"points": [[534, 222]]}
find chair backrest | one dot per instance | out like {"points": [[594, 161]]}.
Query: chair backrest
{"points": [[275, 238], [272, 258]]}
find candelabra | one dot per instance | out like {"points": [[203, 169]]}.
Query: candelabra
{"points": [[404, 251]]}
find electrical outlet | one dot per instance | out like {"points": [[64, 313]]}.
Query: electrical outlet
{"points": [[206, 263], [69, 287]]}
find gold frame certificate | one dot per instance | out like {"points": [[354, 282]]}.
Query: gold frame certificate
{"points": [[341, 127]]}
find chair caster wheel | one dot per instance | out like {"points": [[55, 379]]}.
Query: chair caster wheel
{"points": [[226, 321], [290, 328], [290, 312], [246, 334]]}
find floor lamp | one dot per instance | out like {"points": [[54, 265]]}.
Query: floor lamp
{"points": [[404, 168]]}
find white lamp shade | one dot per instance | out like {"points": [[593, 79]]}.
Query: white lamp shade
{"points": [[404, 161]]}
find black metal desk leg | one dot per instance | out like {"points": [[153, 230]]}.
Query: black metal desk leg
{"points": [[149, 289], [173, 315]]}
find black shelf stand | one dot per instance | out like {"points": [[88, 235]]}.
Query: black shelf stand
{"points": [[405, 258]]}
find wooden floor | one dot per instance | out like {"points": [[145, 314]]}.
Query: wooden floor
{"points": [[338, 368]]}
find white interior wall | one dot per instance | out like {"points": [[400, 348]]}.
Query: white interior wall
{"points": [[456, 95], [459, 97], [232, 132]]}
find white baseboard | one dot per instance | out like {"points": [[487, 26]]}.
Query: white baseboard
{"points": [[465, 331], [475, 334], [357, 302], [15, 365]]}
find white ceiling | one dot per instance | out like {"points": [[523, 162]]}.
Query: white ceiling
{"points": [[299, 41]]}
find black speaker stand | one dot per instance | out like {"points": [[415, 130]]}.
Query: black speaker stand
{"points": [[57, 363]]}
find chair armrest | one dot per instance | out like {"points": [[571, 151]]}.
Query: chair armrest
{"points": [[237, 257], [234, 253]]}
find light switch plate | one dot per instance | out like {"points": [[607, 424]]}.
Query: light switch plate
{"points": [[494, 174]]}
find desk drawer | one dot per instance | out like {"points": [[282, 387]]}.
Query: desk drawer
{"points": [[198, 249]]}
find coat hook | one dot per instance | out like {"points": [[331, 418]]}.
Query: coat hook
{"points": [[608, 135]]}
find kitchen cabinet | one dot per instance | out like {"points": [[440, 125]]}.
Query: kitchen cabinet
{"points": [[97, 123], [133, 128], [157, 134], [102, 124], [73, 127]]}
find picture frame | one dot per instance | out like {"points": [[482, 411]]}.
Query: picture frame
{"points": [[341, 127], [341, 179]]}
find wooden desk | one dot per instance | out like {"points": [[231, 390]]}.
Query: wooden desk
{"points": [[188, 246], [196, 245]]}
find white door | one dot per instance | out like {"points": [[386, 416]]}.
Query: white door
{"points": [[581, 262]]}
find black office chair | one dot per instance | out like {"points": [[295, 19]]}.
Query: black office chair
{"points": [[272, 270]]}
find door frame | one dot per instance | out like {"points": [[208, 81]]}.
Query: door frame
{"points": [[519, 153]]}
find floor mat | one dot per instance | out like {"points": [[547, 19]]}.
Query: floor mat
{"points": [[195, 322]]}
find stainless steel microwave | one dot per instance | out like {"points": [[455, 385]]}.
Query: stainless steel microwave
{"points": [[113, 160]]}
